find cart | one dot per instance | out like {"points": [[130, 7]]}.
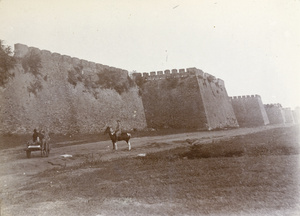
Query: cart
{"points": [[44, 147]]}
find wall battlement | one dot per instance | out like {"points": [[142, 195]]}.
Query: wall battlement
{"points": [[249, 110], [67, 95], [277, 105], [20, 50], [245, 97], [157, 75], [275, 113]]}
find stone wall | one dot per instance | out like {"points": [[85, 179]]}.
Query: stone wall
{"points": [[185, 98], [288, 115], [68, 95], [249, 111], [296, 115], [275, 113]]}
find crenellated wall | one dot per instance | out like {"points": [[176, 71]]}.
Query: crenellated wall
{"points": [[288, 115], [296, 115], [68, 95], [185, 98], [64, 94], [175, 73], [249, 110], [275, 113]]}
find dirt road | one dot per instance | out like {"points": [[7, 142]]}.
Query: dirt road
{"points": [[16, 170]]}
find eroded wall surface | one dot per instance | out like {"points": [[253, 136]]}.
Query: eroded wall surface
{"points": [[67, 95], [185, 98]]}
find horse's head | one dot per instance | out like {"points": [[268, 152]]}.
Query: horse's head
{"points": [[107, 130]]}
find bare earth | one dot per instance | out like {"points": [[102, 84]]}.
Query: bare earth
{"points": [[26, 184]]}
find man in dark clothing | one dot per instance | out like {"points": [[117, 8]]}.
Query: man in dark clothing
{"points": [[118, 128], [35, 136]]}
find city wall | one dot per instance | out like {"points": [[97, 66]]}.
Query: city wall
{"points": [[65, 96], [296, 115], [288, 115], [249, 110], [185, 98], [275, 113]]}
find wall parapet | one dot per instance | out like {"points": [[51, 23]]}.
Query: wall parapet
{"points": [[277, 105], [20, 50], [244, 97], [173, 73]]}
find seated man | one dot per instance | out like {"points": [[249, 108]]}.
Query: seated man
{"points": [[35, 137], [118, 130]]}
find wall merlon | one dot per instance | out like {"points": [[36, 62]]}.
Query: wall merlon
{"points": [[137, 75], [84, 63], [153, 73], [76, 61], [35, 50], [160, 73], [191, 70], [20, 50], [56, 56], [182, 70], [66, 58], [209, 77], [92, 64], [174, 71], [46, 53], [99, 66], [167, 72], [200, 73], [220, 82]]}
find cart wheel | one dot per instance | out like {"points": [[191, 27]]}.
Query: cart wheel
{"points": [[28, 153]]}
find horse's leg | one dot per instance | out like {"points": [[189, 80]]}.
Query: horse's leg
{"points": [[116, 146], [129, 146]]}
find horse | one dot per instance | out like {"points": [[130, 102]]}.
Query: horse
{"points": [[114, 138]]}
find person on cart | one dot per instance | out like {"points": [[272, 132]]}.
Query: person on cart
{"points": [[35, 137]]}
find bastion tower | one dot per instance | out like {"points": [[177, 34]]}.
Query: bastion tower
{"points": [[188, 98]]}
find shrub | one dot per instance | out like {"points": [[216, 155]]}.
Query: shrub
{"points": [[32, 63], [114, 80], [7, 62], [35, 87]]}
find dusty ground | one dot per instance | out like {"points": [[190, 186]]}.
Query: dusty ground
{"points": [[96, 180]]}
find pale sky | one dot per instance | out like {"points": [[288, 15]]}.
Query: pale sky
{"points": [[254, 46]]}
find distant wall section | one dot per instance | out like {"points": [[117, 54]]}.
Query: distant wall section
{"points": [[289, 118], [249, 110], [275, 113]]}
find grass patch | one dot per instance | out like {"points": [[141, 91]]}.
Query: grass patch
{"points": [[283, 141], [263, 178]]}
